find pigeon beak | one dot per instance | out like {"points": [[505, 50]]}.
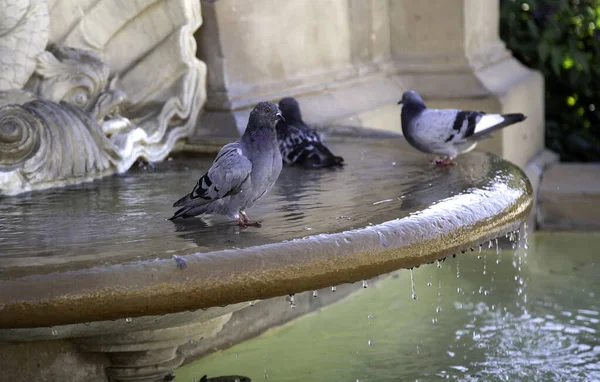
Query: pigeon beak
{"points": [[280, 116], [400, 102]]}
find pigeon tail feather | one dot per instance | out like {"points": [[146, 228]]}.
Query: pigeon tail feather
{"points": [[493, 122], [183, 200], [188, 211]]}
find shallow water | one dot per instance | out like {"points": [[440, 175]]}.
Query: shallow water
{"points": [[526, 315], [123, 218]]}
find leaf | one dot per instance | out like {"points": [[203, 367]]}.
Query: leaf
{"points": [[579, 56], [556, 59]]}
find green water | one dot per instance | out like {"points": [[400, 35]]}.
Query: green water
{"points": [[526, 315]]}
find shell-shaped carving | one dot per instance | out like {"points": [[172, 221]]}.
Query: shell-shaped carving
{"points": [[20, 136], [45, 144], [149, 45], [76, 76], [23, 35]]}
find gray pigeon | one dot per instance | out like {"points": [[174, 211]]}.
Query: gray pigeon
{"points": [[299, 143], [447, 132], [243, 172]]}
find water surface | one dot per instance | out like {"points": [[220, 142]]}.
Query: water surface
{"points": [[529, 315], [123, 218]]}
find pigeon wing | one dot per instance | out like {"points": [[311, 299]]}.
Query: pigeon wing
{"points": [[295, 142], [230, 170]]}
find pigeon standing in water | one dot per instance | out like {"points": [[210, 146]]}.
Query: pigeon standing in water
{"points": [[447, 132], [300, 143], [243, 172]]}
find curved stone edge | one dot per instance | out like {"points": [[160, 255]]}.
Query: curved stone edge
{"points": [[231, 276]]}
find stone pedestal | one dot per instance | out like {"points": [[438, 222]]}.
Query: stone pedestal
{"points": [[149, 355]]}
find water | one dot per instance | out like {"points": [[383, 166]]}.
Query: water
{"points": [[539, 323], [123, 218]]}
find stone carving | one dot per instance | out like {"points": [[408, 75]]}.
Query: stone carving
{"points": [[58, 139], [23, 35], [146, 50], [45, 142]]}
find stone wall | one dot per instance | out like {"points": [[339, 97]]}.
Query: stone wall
{"points": [[348, 62]]}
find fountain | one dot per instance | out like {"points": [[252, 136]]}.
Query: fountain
{"points": [[88, 269]]}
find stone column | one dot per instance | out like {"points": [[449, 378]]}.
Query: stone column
{"points": [[450, 52], [333, 55]]}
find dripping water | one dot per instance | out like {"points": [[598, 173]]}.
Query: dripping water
{"points": [[412, 285]]}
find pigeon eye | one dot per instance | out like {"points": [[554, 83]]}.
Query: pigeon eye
{"points": [[267, 110]]}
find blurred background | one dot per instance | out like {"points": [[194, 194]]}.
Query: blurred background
{"points": [[561, 39]]}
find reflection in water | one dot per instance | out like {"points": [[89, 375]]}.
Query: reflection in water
{"points": [[123, 218], [535, 316]]}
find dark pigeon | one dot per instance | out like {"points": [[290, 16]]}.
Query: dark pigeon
{"points": [[226, 378], [447, 132], [243, 172], [299, 143]]}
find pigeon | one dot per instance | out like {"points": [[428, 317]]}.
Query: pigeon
{"points": [[447, 132], [299, 143], [226, 378], [243, 172]]}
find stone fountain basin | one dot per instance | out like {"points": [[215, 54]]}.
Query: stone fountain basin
{"points": [[104, 250]]}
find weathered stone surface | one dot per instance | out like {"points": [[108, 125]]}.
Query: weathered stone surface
{"points": [[335, 61], [50, 361], [569, 197], [23, 35]]}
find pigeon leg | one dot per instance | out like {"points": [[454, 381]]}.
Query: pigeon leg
{"points": [[241, 222], [181, 264], [444, 162], [245, 216], [247, 221]]}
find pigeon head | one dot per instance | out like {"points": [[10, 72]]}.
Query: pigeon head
{"points": [[411, 97], [290, 109], [265, 114]]}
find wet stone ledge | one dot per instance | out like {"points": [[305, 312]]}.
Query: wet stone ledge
{"points": [[104, 250]]}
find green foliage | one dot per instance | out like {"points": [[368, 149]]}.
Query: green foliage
{"points": [[561, 38]]}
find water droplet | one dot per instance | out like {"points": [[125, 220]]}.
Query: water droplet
{"points": [[480, 248], [87, 323], [484, 264], [53, 331], [237, 355], [365, 284], [333, 289], [370, 342], [370, 316], [412, 286], [439, 264], [129, 320], [307, 229], [315, 293], [252, 302], [438, 309], [490, 245], [429, 284], [497, 248]]}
